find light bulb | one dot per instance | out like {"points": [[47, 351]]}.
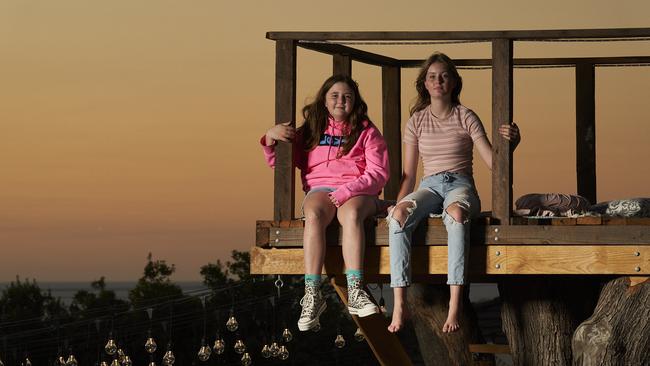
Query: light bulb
{"points": [[169, 358], [358, 335], [115, 362], [28, 362], [72, 361], [103, 363], [1, 363], [246, 359], [339, 342], [152, 363], [204, 353], [275, 350], [61, 361], [120, 355], [127, 361], [240, 347], [284, 353], [232, 324], [266, 352], [219, 346], [150, 346], [110, 347], [286, 335]]}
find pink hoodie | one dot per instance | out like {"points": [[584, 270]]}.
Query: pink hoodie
{"points": [[362, 171]]}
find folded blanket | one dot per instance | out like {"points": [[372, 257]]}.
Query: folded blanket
{"points": [[630, 207], [551, 204]]}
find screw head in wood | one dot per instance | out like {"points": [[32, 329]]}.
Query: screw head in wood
{"points": [[496, 238], [498, 253], [637, 269], [277, 232], [636, 254], [496, 229], [498, 266], [277, 240]]}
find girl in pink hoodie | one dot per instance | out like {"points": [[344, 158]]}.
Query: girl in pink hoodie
{"points": [[344, 166]]}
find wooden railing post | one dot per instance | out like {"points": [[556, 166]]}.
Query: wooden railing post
{"points": [[501, 114], [341, 65], [285, 110], [586, 131], [391, 114]]}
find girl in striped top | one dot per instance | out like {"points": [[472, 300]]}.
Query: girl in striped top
{"points": [[443, 133]]}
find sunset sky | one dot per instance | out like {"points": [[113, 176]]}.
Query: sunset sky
{"points": [[129, 127]]}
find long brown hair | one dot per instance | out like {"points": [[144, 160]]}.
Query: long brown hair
{"points": [[316, 115], [424, 98]]}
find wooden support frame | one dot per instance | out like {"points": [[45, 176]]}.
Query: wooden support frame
{"points": [[586, 130], [392, 127], [501, 114], [285, 110], [342, 65]]}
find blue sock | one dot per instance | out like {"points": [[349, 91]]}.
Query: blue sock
{"points": [[354, 277], [312, 280]]}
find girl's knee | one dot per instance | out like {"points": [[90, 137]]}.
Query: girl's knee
{"points": [[402, 211], [457, 213]]}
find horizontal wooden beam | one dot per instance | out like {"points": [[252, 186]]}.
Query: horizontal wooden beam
{"points": [[565, 61], [436, 234], [487, 260], [489, 348], [516, 35], [354, 53]]}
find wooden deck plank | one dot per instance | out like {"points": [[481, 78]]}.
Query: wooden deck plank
{"points": [[385, 345], [288, 236], [489, 260]]}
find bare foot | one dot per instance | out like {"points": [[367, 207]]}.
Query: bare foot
{"points": [[400, 314], [455, 302], [451, 324]]}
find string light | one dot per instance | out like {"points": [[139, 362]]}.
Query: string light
{"points": [[286, 335], [246, 359], [284, 353], [169, 358], [127, 361], [232, 324], [240, 347], [266, 352], [358, 335], [72, 361], [219, 345], [110, 348], [339, 341], [150, 345], [204, 352], [275, 349]]}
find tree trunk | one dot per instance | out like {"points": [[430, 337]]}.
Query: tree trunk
{"points": [[429, 305], [539, 316], [618, 333]]}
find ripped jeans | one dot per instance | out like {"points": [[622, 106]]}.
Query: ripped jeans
{"points": [[434, 195]]}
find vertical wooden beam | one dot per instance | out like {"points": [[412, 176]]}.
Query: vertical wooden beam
{"points": [[385, 345], [586, 130], [342, 65], [391, 114], [285, 110], [501, 114]]}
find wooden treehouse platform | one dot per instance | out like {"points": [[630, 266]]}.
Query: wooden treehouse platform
{"points": [[502, 246], [560, 246]]}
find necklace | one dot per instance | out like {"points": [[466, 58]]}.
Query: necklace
{"points": [[444, 116]]}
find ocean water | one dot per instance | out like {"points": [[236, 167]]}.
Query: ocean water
{"points": [[66, 290]]}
